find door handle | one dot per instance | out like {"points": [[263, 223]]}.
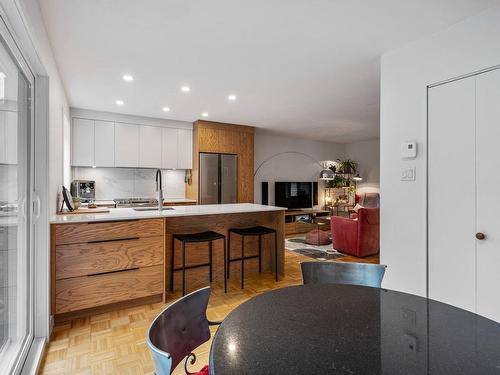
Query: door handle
{"points": [[36, 207], [480, 236]]}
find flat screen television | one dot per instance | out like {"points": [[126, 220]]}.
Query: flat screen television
{"points": [[295, 195]]}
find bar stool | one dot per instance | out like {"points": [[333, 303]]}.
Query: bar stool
{"points": [[208, 236], [250, 232]]}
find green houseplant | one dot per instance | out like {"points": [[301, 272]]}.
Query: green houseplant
{"points": [[347, 166]]}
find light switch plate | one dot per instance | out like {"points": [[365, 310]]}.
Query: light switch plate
{"points": [[409, 174], [409, 150]]}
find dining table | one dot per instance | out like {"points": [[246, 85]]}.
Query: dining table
{"points": [[348, 329]]}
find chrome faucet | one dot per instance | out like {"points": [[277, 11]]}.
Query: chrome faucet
{"points": [[159, 189]]}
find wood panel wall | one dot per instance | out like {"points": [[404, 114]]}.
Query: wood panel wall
{"points": [[197, 253], [219, 137]]}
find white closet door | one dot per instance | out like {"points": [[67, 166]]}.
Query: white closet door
{"points": [[126, 145], [150, 139], [488, 201], [83, 142], [451, 197], [169, 148], [104, 144]]}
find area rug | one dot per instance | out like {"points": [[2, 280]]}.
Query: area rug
{"points": [[318, 252]]}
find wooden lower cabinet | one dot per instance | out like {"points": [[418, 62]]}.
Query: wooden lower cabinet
{"points": [[85, 292], [104, 263], [83, 259]]}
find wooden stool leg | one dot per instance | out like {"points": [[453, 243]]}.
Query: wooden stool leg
{"points": [[276, 254], [225, 269], [210, 259], [228, 253], [183, 268], [260, 253], [172, 251]]}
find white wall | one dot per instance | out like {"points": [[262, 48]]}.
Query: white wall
{"points": [[129, 119], [367, 155], [58, 103], [466, 47], [290, 164]]}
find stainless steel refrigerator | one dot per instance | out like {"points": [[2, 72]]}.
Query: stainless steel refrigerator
{"points": [[218, 178]]}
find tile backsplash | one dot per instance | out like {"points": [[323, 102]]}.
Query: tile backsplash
{"points": [[114, 183]]}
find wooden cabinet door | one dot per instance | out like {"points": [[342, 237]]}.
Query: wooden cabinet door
{"points": [[169, 148], [150, 142], [82, 143], [126, 145], [104, 152], [185, 149]]}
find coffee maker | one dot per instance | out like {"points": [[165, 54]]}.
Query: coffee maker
{"points": [[83, 189]]}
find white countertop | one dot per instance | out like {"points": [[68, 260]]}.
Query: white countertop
{"points": [[193, 210]]}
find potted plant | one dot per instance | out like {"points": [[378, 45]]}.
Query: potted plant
{"points": [[76, 202], [348, 166], [338, 181]]}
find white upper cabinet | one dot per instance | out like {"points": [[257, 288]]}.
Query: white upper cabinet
{"points": [[82, 143], [126, 145], [185, 149], [150, 145], [102, 143], [104, 150], [169, 148]]}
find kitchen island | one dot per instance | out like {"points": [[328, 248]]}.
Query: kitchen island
{"points": [[102, 261]]}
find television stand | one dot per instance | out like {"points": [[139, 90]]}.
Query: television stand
{"points": [[302, 221]]}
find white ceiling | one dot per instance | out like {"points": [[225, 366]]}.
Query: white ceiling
{"points": [[304, 67]]}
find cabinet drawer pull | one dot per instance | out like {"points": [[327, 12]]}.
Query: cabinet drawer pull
{"points": [[110, 221], [105, 273], [115, 239]]}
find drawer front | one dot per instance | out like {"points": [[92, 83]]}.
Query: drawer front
{"points": [[109, 230], [91, 291], [84, 259]]}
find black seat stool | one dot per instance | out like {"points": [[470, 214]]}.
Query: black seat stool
{"points": [[250, 232], [209, 237]]}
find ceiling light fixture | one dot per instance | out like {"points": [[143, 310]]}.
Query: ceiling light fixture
{"points": [[128, 78], [185, 89], [204, 114], [231, 97], [165, 109], [119, 102]]}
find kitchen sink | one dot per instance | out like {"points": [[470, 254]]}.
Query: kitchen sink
{"points": [[151, 209]]}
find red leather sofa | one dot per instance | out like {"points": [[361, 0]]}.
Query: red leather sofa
{"points": [[359, 237]]}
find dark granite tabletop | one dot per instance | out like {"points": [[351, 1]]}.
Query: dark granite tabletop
{"points": [[344, 329]]}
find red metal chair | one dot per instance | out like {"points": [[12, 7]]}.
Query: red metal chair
{"points": [[359, 237]]}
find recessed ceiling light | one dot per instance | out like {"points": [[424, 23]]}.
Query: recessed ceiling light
{"points": [[204, 114], [128, 78], [185, 89], [231, 97], [119, 102], [165, 109]]}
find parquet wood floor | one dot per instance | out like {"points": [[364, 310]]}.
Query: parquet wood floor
{"points": [[114, 342]]}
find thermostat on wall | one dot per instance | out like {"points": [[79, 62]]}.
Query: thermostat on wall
{"points": [[409, 150]]}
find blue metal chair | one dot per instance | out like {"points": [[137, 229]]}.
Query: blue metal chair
{"points": [[343, 273], [178, 330]]}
